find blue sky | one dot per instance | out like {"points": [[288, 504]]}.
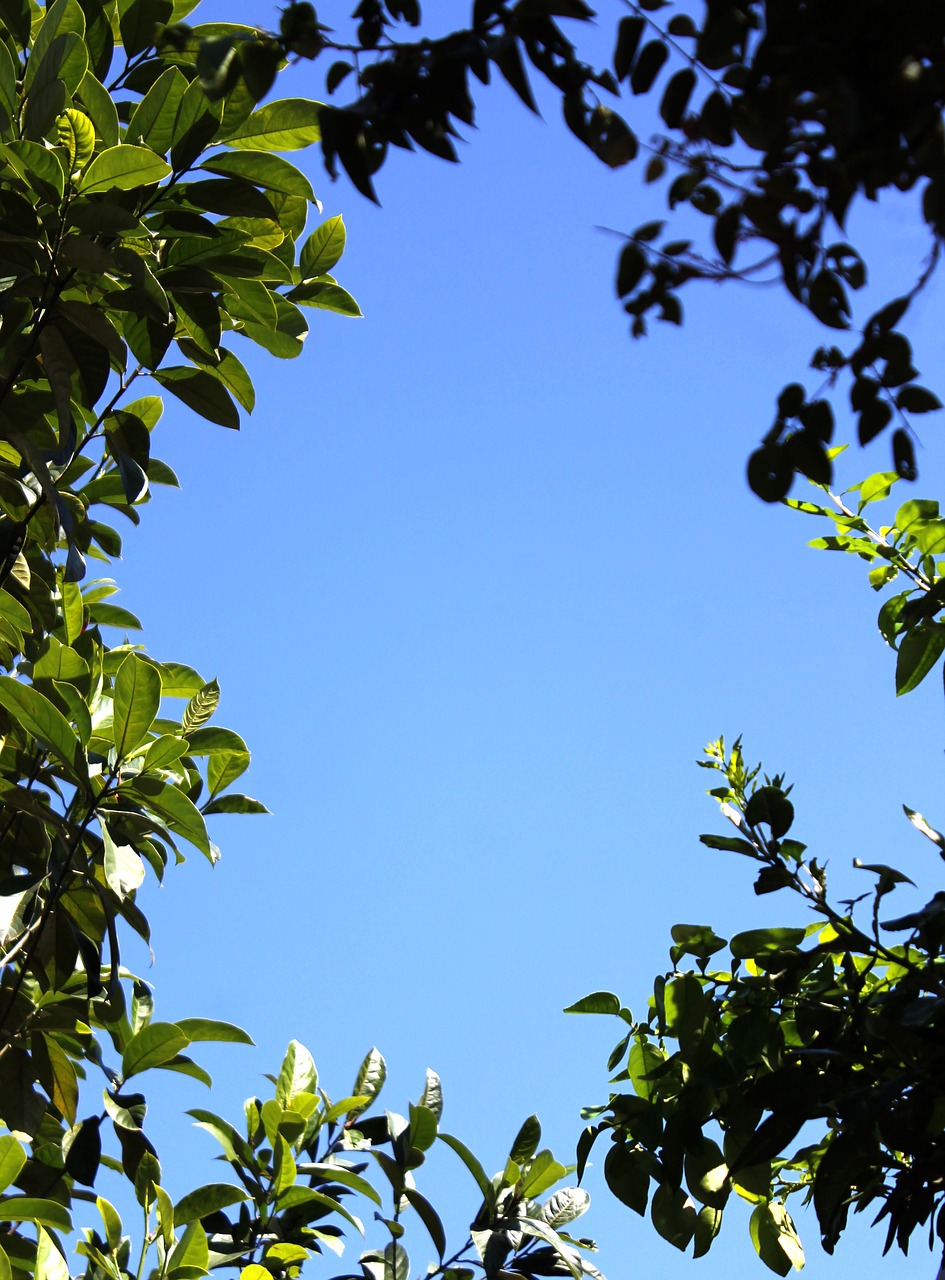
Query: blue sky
{"points": [[479, 578]]}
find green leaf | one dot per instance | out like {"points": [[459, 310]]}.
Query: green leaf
{"points": [[566, 1205], [234, 803], [50, 1263], [674, 1215], [178, 680], [429, 1217], [297, 1074], [919, 651], [730, 844], [325, 296], [915, 512], [191, 1256], [371, 1075], [585, 1144], [541, 1173], [125, 167], [684, 1004], [698, 940], [113, 615], [100, 108], [153, 1046], [206, 1200], [422, 1132], [286, 125], [209, 1029], [65, 16], [163, 752], [352, 1106], [235, 1147], [77, 134], [137, 699], [771, 806], [474, 1167], [774, 1237], [39, 718], [201, 707], [708, 1226], [237, 381], [137, 22], [272, 173], [323, 249], [111, 1220], [59, 662], [175, 807], [201, 392], [198, 121], [599, 1002], [225, 767], [526, 1140], [153, 119], [753, 944], [345, 1178], [707, 1174], [124, 870], [296, 1196], [12, 1160], [645, 1058], [28, 1209], [164, 1211], [37, 166]]}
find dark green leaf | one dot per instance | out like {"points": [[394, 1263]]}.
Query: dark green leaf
{"points": [[201, 392], [919, 651]]}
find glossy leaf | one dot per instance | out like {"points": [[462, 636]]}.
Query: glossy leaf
{"points": [[153, 1046], [286, 125], [206, 1200], [137, 698], [41, 720], [123, 168]]}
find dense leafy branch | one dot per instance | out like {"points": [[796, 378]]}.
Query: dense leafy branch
{"points": [[826, 1025]]}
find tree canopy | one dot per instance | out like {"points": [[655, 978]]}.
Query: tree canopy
{"points": [[778, 121]]}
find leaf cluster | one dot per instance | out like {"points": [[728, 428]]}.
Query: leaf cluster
{"points": [[145, 222], [907, 550], [785, 1063]]}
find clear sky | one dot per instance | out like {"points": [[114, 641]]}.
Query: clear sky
{"points": [[479, 578]]}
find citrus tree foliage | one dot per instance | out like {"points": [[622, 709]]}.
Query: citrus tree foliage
{"points": [[149, 230], [801, 1063], [795, 1063], [777, 118], [903, 552]]}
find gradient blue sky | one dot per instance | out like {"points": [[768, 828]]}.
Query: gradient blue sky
{"points": [[479, 578]]}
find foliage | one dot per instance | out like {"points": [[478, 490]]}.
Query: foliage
{"points": [[905, 551], [147, 219], [778, 120], [147, 214], [794, 1062]]}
